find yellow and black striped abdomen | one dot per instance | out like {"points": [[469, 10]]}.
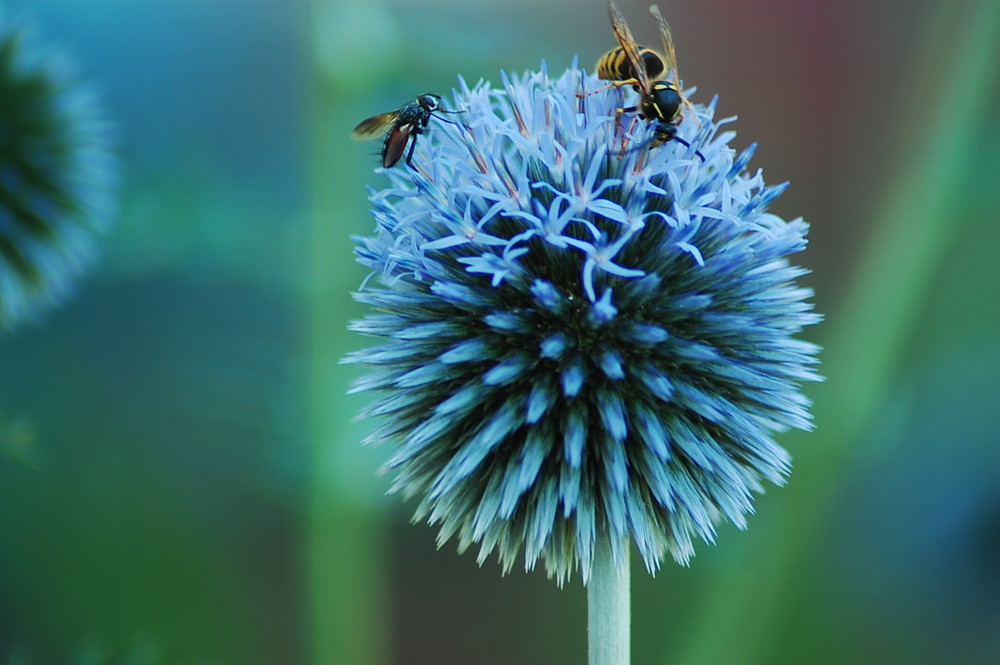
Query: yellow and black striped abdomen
{"points": [[615, 66]]}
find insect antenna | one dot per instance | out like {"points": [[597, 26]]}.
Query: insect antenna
{"points": [[685, 143]]}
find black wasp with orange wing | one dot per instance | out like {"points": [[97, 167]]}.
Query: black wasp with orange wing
{"points": [[401, 127]]}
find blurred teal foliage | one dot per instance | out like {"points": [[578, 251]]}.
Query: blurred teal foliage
{"points": [[165, 436]]}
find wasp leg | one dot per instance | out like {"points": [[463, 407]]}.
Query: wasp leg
{"points": [[619, 129], [613, 84], [628, 132], [619, 112]]}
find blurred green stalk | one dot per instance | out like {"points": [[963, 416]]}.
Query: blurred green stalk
{"points": [[743, 617], [345, 569]]}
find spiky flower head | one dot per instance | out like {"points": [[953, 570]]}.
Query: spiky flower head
{"points": [[56, 175], [587, 334]]}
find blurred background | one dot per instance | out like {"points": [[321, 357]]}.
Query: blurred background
{"points": [[180, 479]]}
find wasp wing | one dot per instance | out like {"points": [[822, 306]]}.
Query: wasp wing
{"points": [[627, 41], [668, 43], [371, 127]]}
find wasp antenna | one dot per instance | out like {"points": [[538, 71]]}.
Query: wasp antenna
{"points": [[688, 145]]}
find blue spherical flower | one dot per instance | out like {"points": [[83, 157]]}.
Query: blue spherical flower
{"points": [[586, 332], [55, 176]]}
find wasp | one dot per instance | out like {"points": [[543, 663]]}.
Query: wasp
{"points": [[660, 100], [401, 127]]}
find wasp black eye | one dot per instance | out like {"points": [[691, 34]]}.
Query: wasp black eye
{"points": [[429, 102]]}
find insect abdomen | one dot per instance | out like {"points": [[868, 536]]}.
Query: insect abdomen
{"points": [[615, 66]]}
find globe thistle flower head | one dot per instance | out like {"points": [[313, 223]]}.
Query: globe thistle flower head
{"points": [[56, 175], [586, 333]]}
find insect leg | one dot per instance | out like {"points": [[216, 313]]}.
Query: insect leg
{"points": [[619, 129], [628, 132], [409, 153], [613, 84]]}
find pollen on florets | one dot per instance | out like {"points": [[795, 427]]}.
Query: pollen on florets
{"points": [[584, 332]]}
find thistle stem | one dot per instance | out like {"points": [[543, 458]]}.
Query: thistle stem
{"points": [[608, 611]]}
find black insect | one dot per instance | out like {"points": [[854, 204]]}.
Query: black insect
{"points": [[401, 127], [660, 100]]}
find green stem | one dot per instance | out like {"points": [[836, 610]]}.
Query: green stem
{"points": [[608, 612], [343, 553]]}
